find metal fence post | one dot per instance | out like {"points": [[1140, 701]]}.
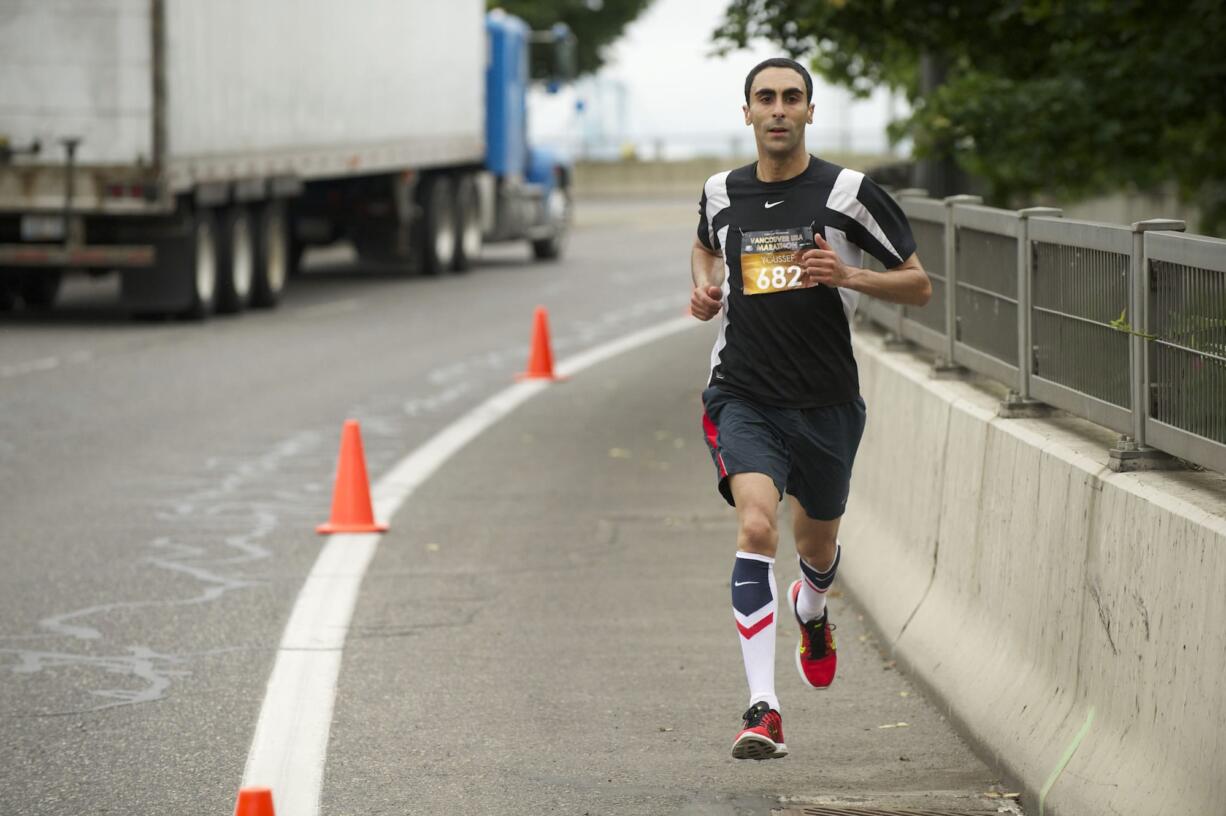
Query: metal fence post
{"points": [[947, 367], [1019, 403], [1131, 452]]}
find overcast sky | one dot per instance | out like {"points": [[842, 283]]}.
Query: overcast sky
{"points": [[660, 88]]}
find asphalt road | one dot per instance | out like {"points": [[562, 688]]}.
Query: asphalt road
{"points": [[545, 628]]}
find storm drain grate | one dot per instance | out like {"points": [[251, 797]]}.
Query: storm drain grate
{"points": [[821, 810]]}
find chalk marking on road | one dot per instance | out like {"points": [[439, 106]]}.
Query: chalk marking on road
{"points": [[290, 744], [30, 367], [1064, 760], [43, 364]]}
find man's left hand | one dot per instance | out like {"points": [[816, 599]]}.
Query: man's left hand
{"points": [[823, 265]]}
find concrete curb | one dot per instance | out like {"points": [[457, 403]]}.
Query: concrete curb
{"points": [[1068, 616]]}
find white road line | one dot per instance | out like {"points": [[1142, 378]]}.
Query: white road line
{"points": [[291, 737]]}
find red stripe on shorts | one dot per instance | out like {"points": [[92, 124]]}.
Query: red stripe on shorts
{"points": [[713, 440]]}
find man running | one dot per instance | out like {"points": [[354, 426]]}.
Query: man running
{"points": [[779, 252]]}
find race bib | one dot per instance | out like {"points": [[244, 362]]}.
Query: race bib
{"points": [[768, 260]]}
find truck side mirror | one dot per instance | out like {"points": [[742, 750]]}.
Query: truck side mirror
{"points": [[553, 56]]}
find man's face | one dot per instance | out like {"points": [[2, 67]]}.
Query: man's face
{"points": [[778, 111]]}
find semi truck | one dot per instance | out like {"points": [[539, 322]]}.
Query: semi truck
{"points": [[198, 148]]}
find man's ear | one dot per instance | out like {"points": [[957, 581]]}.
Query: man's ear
{"points": [[745, 110], [810, 114]]}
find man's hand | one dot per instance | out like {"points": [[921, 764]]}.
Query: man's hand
{"points": [[705, 301], [823, 265]]}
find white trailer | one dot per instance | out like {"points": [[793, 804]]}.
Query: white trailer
{"points": [[197, 146]]}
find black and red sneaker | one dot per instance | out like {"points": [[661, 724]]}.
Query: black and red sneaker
{"points": [[761, 734], [816, 659]]}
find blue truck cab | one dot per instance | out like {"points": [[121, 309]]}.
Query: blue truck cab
{"points": [[527, 192]]}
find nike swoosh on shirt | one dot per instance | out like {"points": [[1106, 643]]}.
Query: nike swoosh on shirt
{"points": [[770, 204], [743, 583]]}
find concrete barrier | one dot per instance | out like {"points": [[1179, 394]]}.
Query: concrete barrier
{"points": [[1072, 619]]}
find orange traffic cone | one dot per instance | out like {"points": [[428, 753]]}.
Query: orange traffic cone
{"points": [[540, 363], [254, 802], [351, 508]]}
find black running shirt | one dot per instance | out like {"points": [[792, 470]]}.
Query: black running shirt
{"points": [[779, 343]]}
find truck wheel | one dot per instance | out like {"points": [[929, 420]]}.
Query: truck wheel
{"points": [[468, 221], [557, 207], [235, 260], [201, 266], [272, 255], [439, 225], [39, 289]]}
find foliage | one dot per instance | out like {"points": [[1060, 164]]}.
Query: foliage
{"points": [[595, 23], [1065, 96]]}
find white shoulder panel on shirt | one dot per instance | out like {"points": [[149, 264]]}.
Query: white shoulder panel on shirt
{"points": [[844, 198], [716, 189]]}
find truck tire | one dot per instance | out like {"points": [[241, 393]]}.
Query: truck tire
{"points": [[183, 279], [235, 260], [438, 224], [272, 255], [200, 265], [468, 223], [39, 289], [558, 208]]}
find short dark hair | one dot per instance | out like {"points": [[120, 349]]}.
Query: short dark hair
{"points": [[780, 62]]}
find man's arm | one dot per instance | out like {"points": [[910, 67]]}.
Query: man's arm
{"points": [[707, 272], [906, 283]]}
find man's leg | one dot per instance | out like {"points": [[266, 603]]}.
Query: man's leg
{"points": [[818, 549], [754, 606], [753, 580]]}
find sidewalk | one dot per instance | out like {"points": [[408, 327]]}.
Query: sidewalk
{"points": [[546, 629]]}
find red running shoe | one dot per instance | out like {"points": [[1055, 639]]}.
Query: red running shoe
{"points": [[815, 656], [761, 735]]}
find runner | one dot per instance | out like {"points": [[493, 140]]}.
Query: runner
{"points": [[779, 252]]}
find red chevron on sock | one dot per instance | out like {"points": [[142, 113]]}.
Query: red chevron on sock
{"points": [[749, 631]]}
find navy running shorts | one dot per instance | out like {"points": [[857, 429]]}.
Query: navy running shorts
{"points": [[807, 452]]}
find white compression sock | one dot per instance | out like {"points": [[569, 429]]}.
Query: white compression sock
{"points": [[811, 601], [753, 606]]}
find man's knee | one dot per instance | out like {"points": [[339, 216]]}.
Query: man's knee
{"points": [[758, 532], [816, 540]]}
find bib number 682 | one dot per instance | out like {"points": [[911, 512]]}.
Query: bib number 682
{"points": [[779, 277]]}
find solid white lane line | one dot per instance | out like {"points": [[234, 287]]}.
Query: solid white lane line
{"points": [[290, 744], [291, 736]]}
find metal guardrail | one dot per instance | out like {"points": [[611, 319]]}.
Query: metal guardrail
{"points": [[986, 290], [1185, 343], [1124, 326], [925, 325]]}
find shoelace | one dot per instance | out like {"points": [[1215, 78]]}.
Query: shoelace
{"points": [[817, 636], [753, 717]]}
